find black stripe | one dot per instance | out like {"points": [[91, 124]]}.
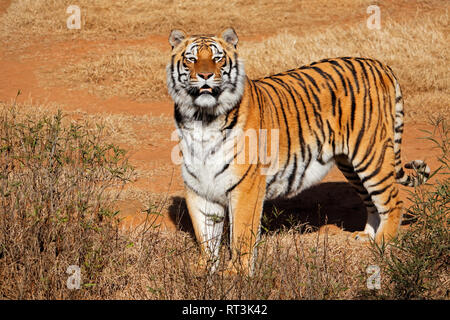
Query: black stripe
{"points": [[339, 111], [390, 174], [366, 79], [378, 192], [293, 174], [235, 118], [240, 180], [353, 105], [190, 172], [299, 126], [225, 167], [344, 84], [379, 164], [325, 75], [363, 126], [331, 137], [301, 83], [311, 79], [393, 193], [307, 162], [177, 114], [352, 68]]}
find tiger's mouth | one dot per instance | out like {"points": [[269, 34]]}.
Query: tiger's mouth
{"points": [[205, 89]]}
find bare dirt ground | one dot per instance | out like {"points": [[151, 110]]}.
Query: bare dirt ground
{"points": [[159, 181]]}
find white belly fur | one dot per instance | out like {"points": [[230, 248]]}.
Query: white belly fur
{"points": [[313, 175]]}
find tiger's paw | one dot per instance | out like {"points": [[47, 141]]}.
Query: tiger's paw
{"points": [[361, 236]]}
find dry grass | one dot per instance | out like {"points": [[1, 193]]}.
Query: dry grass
{"points": [[134, 72], [290, 267], [131, 131], [127, 130]]}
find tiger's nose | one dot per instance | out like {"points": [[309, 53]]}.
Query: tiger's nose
{"points": [[205, 75]]}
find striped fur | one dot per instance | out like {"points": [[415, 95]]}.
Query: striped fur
{"points": [[343, 111]]}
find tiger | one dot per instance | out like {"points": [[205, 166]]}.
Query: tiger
{"points": [[345, 111]]}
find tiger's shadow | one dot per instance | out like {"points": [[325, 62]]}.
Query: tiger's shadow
{"points": [[327, 203]]}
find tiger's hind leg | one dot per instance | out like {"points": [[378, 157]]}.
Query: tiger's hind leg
{"points": [[374, 180], [377, 175], [373, 219]]}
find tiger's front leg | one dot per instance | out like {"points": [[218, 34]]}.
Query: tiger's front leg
{"points": [[245, 210], [208, 219]]}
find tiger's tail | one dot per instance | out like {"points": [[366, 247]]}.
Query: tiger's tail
{"points": [[421, 168]]}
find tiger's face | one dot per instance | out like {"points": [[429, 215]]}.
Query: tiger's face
{"points": [[205, 73]]}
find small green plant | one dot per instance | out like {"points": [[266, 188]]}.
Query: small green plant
{"points": [[268, 219]]}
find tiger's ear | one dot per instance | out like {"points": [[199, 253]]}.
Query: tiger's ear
{"points": [[176, 37], [230, 36]]}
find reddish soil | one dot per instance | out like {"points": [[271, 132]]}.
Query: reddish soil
{"points": [[333, 199]]}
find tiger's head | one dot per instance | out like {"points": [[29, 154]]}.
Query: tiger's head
{"points": [[205, 73]]}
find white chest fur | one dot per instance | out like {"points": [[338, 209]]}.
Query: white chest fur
{"points": [[207, 158]]}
